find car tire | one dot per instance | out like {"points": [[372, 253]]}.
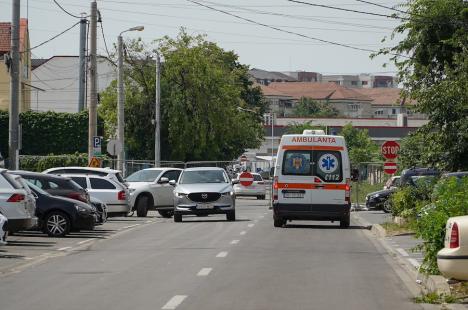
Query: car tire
{"points": [[345, 222], [231, 216], [263, 197], [57, 224], [166, 214], [278, 222], [177, 218], [142, 206], [387, 207]]}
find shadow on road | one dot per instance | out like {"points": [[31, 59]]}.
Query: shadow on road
{"points": [[31, 243], [327, 227], [213, 221]]}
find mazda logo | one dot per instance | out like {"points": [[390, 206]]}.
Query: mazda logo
{"points": [[204, 196]]}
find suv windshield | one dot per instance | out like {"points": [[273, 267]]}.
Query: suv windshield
{"points": [[203, 176], [144, 176]]}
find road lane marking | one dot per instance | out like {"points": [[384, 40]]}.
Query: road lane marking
{"points": [[204, 272], [64, 248], [148, 221], [174, 302], [402, 252], [85, 241], [222, 254], [251, 225], [243, 232], [235, 241], [134, 225], [414, 262]]}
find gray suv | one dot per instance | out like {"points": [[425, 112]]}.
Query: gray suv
{"points": [[204, 191]]}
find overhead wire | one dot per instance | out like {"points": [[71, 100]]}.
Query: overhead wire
{"points": [[382, 6], [63, 9], [52, 38], [104, 38]]}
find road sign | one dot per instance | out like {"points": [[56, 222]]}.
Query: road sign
{"points": [[390, 167], [114, 147], [390, 149], [243, 159], [246, 178], [95, 162], [97, 143]]}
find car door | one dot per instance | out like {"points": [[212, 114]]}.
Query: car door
{"points": [[103, 190], [329, 182], [166, 190]]}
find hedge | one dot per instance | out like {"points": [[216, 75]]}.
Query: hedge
{"points": [[47, 133]]}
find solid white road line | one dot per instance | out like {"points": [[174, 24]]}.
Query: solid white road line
{"points": [[414, 262], [64, 249], [222, 254], [85, 241], [204, 272], [251, 225], [235, 241], [402, 252], [174, 302], [243, 232]]}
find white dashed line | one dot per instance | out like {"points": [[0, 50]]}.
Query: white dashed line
{"points": [[251, 225], [243, 232], [85, 241], [64, 249], [414, 262], [234, 241], [222, 254], [148, 221], [204, 272], [174, 302], [402, 252], [262, 216], [134, 225]]}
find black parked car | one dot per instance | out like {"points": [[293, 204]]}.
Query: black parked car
{"points": [[65, 187], [380, 199], [58, 215]]}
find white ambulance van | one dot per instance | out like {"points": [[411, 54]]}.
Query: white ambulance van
{"points": [[312, 179]]}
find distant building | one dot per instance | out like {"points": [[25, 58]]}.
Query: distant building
{"points": [[304, 76], [56, 82], [24, 66], [266, 77]]}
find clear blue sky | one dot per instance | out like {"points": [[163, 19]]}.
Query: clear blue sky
{"points": [[256, 46]]}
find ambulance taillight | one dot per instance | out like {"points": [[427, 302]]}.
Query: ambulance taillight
{"points": [[275, 189], [348, 191]]}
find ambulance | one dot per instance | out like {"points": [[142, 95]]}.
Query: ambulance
{"points": [[312, 179]]}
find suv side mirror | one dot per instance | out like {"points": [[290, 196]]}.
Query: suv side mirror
{"points": [[235, 181], [163, 180], [173, 182]]}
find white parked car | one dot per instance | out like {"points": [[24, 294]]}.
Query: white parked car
{"points": [[113, 174], [17, 202], [105, 188], [453, 258], [3, 229], [256, 189], [150, 190]]}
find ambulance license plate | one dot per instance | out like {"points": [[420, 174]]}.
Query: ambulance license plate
{"points": [[293, 195]]}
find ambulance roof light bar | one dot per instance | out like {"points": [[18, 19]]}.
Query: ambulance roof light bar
{"points": [[313, 132]]}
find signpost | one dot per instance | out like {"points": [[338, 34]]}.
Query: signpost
{"points": [[390, 167], [97, 143], [390, 149], [246, 178]]}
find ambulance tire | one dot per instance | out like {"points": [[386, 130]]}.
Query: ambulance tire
{"points": [[278, 222], [177, 218], [344, 223]]}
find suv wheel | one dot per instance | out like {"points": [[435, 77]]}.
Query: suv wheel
{"points": [[166, 214], [387, 207], [57, 224], [177, 217], [278, 222], [142, 206], [231, 216], [344, 222]]}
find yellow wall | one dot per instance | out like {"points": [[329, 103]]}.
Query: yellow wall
{"points": [[4, 87]]}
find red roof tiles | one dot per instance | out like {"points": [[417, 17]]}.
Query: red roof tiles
{"points": [[5, 35]]}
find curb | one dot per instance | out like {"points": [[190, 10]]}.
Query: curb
{"points": [[431, 283]]}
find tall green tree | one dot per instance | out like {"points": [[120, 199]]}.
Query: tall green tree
{"points": [[202, 87], [360, 146], [307, 107], [432, 59]]}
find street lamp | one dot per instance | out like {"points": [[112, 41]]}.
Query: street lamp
{"points": [[120, 96]]}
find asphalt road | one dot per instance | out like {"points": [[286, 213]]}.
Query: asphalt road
{"points": [[210, 264]]}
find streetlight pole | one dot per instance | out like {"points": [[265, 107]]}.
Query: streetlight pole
{"points": [[121, 98], [157, 134]]}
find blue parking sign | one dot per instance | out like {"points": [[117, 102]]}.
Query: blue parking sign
{"points": [[97, 140]]}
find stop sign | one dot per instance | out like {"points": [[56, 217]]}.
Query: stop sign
{"points": [[246, 178], [390, 149], [390, 167]]}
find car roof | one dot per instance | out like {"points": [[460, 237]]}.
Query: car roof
{"points": [[159, 168], [39, 174], [106, 170], [69, 175], [204, 169]]}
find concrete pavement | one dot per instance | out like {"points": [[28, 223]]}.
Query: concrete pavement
{"points": [[208, 263]]}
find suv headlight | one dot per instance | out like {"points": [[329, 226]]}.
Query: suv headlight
{"points": [[180, 195], [81, 209], [230, 193]]}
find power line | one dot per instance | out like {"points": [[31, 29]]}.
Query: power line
{"points": [[382, 6], [348, 10], [104, 38], [54, 37], [61, 7]]}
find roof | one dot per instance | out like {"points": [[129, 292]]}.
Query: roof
{"points": [[105, 170], [203, 168], [270, 75], [268, 91], [319, 91], [5, 35], [38, 174], [384, 96], [36, 62]]}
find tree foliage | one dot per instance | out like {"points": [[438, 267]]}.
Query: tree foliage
{"points": [[298, 128], [435, 75], [360, 147], [307, 107], [202, 87]]}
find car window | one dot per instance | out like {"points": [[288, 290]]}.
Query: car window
{"points": [[37, 189], [257, 177], [81, 181], [119, 177], [100, 184], [144, 176], [52, 185], [324, 164], [171, 175], [203, 176], [297, 163], [36, 182]]}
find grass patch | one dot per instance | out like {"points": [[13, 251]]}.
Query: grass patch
{"points": [[362, 189], [434, 298], [394, 229]]}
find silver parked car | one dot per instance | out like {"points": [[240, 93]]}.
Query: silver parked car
{"points": [[17, 202], [203, 191]]}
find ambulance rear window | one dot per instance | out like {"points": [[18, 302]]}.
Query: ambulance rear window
{"points": [[297, 163], [328, 166]]}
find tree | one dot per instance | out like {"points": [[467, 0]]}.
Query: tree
{"points": [[360, 146], [298, 128], [433, 67], [202, 87], [307, 107]]}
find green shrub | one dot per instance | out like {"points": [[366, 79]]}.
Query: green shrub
{"points": [[408, 200], [449, 199], [41, 163]]}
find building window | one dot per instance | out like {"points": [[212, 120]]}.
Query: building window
{"points": [[353, 107], [364, 82], [394, 111], [354, 83], [379, 112]]}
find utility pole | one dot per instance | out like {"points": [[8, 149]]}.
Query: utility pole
{"points": [[14, 88], [157, 134], [92, 127], [272, 119], [82, 69], [120, 104]]}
